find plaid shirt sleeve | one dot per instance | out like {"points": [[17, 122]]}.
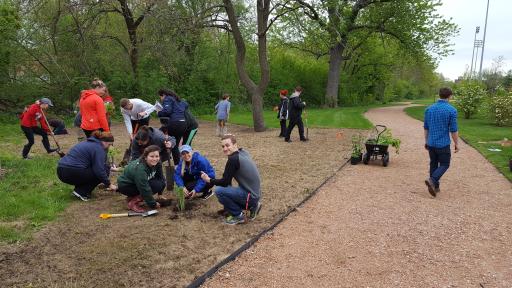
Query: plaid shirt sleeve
{"points": [[453, 121], [425, 120]]}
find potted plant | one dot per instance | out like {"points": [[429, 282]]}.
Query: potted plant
{"points": [[357, 149]]}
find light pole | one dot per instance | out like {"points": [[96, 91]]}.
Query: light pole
{"points": [[483, 42], [473, 56]]}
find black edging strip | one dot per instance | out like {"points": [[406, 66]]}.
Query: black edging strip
{"points": [[200, 280]]}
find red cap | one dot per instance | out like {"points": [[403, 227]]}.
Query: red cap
{"points": [[283, 92]]}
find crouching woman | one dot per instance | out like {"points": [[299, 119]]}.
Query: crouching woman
{"points": [[85, 165], [188, 174], [141, 179]]}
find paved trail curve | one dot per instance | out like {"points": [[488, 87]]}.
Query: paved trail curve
{"points": [[372, 226]]}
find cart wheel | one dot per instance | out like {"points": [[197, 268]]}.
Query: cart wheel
{"points": [[385, 160], [366, 158]]}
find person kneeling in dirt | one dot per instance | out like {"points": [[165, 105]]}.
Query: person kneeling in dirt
{"points": [[247, 195], [147, 136], [141, 179], [84, 165], [59, 128], [188, 174]]}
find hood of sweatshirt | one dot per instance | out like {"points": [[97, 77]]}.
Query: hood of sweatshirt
{"points": [[87, 93], [295, 94]]}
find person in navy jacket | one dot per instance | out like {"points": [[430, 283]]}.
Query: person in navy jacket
{"points": [[84, 166], [175, 123]]}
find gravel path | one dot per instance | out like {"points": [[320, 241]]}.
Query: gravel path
{"points": [[372, 226]]}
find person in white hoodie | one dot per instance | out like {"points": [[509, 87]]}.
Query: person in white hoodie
{"points": [[136, 113]]}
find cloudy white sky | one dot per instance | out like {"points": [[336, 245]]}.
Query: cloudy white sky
{"points": [[468, 14]]}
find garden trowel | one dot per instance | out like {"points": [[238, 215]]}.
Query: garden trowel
{"points": [[129, 214]]}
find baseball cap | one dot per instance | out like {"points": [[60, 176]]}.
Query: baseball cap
{"points": [[46, 101], [185, 148]]}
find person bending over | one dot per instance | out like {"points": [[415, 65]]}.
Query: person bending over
{"points": [[29, 119], [84, 166], [242, 168], [141, 179], [136, 113], [188, 173]]}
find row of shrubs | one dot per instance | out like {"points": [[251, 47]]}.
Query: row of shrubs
{"points": [[471, 98]]}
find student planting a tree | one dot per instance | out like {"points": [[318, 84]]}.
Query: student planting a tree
{"points": [[29, 126], [141, 179], [84, 166], [147, 136], [188, 173], [174, 112], [136, 113], [248, 194]]}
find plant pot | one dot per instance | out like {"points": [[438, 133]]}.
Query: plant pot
{"points": [[356, 159]]}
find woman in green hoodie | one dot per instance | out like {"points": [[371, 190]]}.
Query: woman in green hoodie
{"points": [[141, 179]]}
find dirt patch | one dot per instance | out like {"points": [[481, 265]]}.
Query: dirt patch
{"points": [[170, 249]]}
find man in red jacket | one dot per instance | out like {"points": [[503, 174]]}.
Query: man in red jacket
{"points": [[94, 115], [29, 126]]}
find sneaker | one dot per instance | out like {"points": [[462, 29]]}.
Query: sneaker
{"points": [[431, 187], [255, 211], [27, 157], [288, 140], [83, 198], [233, 220], [304, 139], [52, 150], [437, 190], [207, 194]]}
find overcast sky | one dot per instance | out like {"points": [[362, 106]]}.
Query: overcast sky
{"points": [[468, 14]]}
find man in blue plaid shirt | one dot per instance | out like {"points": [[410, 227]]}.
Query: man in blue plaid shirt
{"points": [[440, 121]]}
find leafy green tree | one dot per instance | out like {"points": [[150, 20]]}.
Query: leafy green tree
{"points": [[468, 97], [345, 25]]}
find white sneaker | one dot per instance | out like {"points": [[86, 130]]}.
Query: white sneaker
{"points": [[83, 198]]}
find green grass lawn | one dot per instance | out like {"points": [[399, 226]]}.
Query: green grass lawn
{"points": [[31, 193], [478, 130], [346, 117]]}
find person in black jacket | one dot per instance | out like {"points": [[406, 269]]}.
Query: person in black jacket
{"points": [[282, 111], [295, 108]]}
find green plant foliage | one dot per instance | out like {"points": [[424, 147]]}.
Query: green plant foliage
{"points": [[357, 145], [386, 138], [468, 97], [500, 107], [180, 195]]}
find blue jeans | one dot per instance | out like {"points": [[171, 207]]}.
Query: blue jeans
{"points": [[439, 162], [234, 199]]}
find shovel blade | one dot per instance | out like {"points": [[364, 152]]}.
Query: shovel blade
{"points": [[149, 213]]}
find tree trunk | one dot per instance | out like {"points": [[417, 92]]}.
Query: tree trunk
{"points": [[333, 78], [255, 91], [257, 110]]}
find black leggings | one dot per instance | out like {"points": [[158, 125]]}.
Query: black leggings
{"points": [[83, 179], [295, 121], [157, 186], [190, 183], [29, 133], [177, 129]]}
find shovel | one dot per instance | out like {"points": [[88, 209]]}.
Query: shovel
{"points": [[59, 151], [129, 214]]}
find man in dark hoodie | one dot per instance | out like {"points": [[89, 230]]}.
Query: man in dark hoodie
{"points": [[295, 108]]}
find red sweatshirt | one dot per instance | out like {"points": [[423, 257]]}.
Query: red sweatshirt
{"points": [[93, 111], [30, 117]]}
